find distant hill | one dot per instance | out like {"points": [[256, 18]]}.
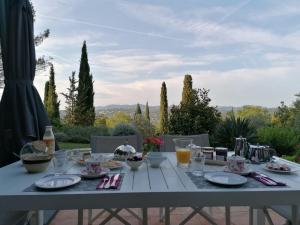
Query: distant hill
{"points": [[109, 110]]}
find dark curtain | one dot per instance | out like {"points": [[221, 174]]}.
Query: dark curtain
{"points": [[22, 114]]}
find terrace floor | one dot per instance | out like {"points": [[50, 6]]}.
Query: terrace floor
{"points": [[239, 216]]}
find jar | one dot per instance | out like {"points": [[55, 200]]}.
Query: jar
{"points": [[49, 140]]}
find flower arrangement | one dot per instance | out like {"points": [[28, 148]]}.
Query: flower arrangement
{"points": [[152, 144]]}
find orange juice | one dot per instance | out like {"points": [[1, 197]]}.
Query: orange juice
{"points": [[183, 155]]}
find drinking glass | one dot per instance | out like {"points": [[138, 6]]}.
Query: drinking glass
{"points": [[183, 151], [197, 165], [60, 161]]}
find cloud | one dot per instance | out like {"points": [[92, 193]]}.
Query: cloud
{"points": [[208, 33]]}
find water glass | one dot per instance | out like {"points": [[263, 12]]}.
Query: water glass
{"points": [[60, 161], [197, 165]]}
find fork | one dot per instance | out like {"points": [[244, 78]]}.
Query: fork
{"points": [[107, 184], [106, 180]]}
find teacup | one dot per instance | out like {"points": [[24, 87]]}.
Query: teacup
{"points": [[93, 166], [236, 164]]}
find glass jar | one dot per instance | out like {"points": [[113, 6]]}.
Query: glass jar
{"points": [[49, 140]]}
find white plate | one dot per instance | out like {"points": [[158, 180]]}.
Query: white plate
{"points": [[293, 170], [85, 174], [57, 181], [224, 178], [242, 173]]}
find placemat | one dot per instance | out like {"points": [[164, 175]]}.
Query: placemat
{"points": [[83, 185], [202, 183]]}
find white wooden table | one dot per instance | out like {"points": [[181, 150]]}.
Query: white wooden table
{"points": [[167, 186]]}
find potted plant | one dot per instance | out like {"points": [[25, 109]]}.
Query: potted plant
{"points": [[152, 144]]}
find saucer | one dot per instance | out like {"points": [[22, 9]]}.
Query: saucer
{"points": [[85, 174], [245, 172]]}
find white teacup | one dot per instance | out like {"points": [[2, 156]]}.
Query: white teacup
{"points": [[93, 166], [236, 164]]}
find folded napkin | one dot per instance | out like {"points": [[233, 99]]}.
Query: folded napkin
{"points": [[265, 179], [103, 181]]}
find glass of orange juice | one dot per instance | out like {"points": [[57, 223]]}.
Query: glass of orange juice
{"points": [[183, 151]]}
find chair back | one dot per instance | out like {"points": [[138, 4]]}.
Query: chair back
{"points": [[169, 146], [107, 144]]}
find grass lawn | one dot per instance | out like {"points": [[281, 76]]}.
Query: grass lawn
{"points": [[68, 145]]}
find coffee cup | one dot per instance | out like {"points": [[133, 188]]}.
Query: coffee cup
{"points": [[236, 164], [93, 166]]}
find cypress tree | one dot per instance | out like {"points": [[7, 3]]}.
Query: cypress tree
{"points": [[52, 104], [84, 109], [163, 116], [138, 111], [46, 92], [147, 113], [188, 94], [71, 100]]}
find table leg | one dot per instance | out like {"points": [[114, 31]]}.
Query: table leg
{"points": [[80, 216], [258, 217], [295, 214], [227, 215], [145, 216], [167, 215], [250, 215], [39, 217]]}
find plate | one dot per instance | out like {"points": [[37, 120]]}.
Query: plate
{"points": [[85, 174], [223, 178], [57, 181], [112, 164], [242, 173], [281, 171]]}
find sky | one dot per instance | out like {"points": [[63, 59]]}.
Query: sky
{"points": [[243, 51]]}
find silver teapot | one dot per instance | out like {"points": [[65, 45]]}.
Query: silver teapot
{"points": [[241, 147], [124, 151]]}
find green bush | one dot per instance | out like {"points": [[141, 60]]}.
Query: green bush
{"points": [[233, 127], [123, 129], [283, 139], [79, 134]]}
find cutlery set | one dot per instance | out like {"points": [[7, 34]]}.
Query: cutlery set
{"points": [[109, 181]]}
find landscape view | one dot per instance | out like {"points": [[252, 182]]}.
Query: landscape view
{"points": [[224, 68], [149, 112]]}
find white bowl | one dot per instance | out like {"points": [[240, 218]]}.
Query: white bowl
{"points": [[36, 164], [134, 165], [155, 161]]}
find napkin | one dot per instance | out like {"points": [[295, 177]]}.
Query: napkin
{"points": [[265, 179], [101, 184]]}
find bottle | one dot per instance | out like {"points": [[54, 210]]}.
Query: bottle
{"points": [[49, 140]]}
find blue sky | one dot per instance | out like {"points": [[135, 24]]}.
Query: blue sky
{"points": [[244, 51]]}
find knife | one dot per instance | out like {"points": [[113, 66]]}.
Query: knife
{"points": [[114, 181]]}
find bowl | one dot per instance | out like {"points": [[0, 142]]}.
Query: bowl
{"points": [[36, 164], [155, 161], [134, 162]]}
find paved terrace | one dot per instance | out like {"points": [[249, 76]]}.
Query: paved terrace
{"points": [[239, 216]]}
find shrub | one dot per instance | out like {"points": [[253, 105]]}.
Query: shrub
{"points": [[123, 129], [233, 127], [79, 134], [143, 126], [283, 139]]}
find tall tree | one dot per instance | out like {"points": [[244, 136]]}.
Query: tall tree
{"points": [[52, 104], [163, 116], [147, 112], [188, 94], [138, 111], [46, 92], [71, 100], [85, 110]]}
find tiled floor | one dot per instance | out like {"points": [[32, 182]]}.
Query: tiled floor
{"points": [[239, 216]]}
